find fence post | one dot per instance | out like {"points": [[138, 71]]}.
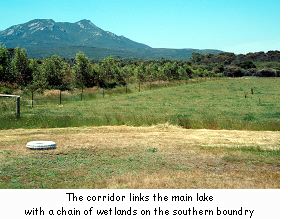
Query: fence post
{"points": [[32, 99], [60, 98], [103, 92], [18, 107]]}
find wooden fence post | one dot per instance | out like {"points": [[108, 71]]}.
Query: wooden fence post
{"points": [[60, 98], [17, 107], [32, 99]]}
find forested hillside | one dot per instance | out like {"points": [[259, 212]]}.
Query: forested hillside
{"points": [[45, 37]]}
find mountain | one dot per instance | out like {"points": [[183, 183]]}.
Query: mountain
{"points": [[45, 37]]}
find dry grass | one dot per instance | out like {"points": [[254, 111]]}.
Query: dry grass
{"points": [[161, 156]]}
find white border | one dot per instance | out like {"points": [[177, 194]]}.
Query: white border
{"points": [[12, 202], [284, 109]]}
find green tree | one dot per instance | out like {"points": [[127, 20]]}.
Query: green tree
{"points": [[246, 65], [83, 71], [126, 73], [152, 72], [39, 80], [96, 74], [4, 66], [140, 74], [110, 73], [20, 67], [188, 70], [197, 58], [171, 71], [56, 71], [181, 73]]}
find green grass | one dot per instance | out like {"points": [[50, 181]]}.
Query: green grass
{"points": [[249, 155], [78, 167], [210, 104], [90, 168], [262, 65]]}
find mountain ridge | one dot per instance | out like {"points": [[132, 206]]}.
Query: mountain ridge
{"points": [[49, 37]]}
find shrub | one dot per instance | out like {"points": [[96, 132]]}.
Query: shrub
{"points": [[233, 71], [250, 72], [266, 73], [246, 65], [6, 90]]}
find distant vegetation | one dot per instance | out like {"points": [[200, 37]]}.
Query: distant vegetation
{"points": [[18, 71]]}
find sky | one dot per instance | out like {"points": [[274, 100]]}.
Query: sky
{"points": [[238, 26]]}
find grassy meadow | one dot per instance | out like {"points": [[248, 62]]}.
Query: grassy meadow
{"points": [[204, 133], [208, 103], [161, 156]]}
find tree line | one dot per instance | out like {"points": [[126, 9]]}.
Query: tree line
{"points": [[55, 72]]}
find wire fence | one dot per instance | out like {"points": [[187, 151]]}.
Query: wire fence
{"points": [[41, 99], [34, 99]]}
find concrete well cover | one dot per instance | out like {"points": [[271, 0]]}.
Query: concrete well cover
{"points": [[41, 145]]}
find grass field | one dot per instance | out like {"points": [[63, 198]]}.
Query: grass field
{"points": [[161, 156], [210, 104], [200, 134]]}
